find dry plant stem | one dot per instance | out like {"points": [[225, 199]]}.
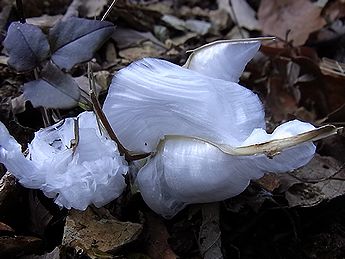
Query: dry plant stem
{"points": [[103, 119], [109, 10], [45, 117], [100, 114], [269, 148], [93, 89], [75, 141]]}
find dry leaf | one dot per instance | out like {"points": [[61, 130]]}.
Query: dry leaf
{"points": [[220, 19], [322, 179], [269, 182], [45, 22], [245, 15], [85, 8], [292, 19], [198, 26], [125, 37], [148, 49], [98, 235]]}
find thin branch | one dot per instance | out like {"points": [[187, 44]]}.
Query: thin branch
{"points": [[109, 10]]}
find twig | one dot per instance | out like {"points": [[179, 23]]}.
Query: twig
{"points": [[75, 141], [92, 85], [109, 10]]}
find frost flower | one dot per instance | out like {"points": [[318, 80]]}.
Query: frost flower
{"points": [[70, 161], [206, 132]]}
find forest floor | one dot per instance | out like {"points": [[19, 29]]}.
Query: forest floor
{"points": [[299, 75]]}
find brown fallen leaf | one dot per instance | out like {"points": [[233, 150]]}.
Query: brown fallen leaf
{"points": [[85, 8], [97, 233], [269, 182], [321, 180], [148, 49], [291, 19]]}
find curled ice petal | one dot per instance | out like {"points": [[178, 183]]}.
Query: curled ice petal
{"points": [[225, 59], [186, 171], [152, 98], [12, 156], [288, 129], [76, 172]]}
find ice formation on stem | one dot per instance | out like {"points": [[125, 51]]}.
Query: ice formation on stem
{"points": [[206, 131], [70, 161]]}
